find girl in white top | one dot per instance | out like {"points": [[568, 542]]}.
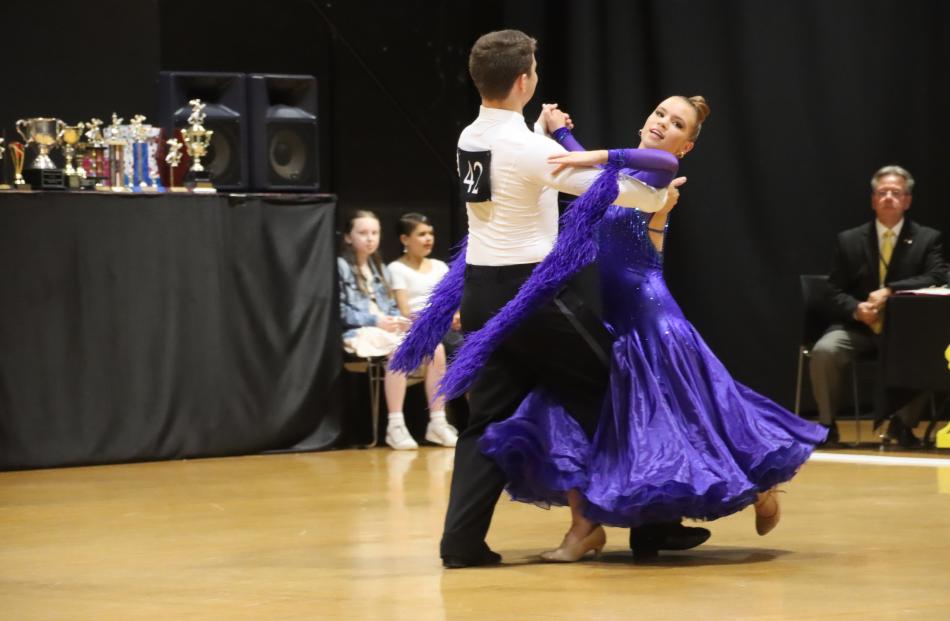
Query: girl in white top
{"points": [[413, 277]]}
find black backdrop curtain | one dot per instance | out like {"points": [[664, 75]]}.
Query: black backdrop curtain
{"points": [[808, 99], [136, 328]]}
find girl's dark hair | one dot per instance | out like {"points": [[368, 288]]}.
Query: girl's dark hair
{"points": [[375, 261], [407, 223]]}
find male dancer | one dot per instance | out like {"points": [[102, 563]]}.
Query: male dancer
{"points": [[511, 197]]}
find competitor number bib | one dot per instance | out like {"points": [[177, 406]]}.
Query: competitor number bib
{"points": [[474, 169]]}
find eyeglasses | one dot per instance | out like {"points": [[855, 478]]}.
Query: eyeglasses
{"points": [[894, 193]]}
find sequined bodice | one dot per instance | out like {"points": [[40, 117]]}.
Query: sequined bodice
{"points": [[631, 270]]}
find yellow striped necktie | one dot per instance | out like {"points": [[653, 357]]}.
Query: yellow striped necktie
{"points": [[887, 249]]}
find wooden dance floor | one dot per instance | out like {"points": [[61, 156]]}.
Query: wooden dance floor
{"points": [[354, 535]]}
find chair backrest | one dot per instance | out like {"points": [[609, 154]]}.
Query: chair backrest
{"points": [[816, 306]]}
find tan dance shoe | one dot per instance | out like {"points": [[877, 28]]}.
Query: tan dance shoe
{"points": [[768, 511], [569, 553]]}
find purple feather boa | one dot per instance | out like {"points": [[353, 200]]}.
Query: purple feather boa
{"points": [[575, 247], [433, 322]]}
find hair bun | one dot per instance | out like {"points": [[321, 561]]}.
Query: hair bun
{"points": [[699, 104]]}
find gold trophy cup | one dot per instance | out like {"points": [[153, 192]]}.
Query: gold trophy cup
{"points": [[45, 133], [197, 139], [42, 173], [71, 135]]}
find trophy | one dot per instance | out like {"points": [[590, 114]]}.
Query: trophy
{"points": [[173, 158], [17, 157], [117, 146], [141, 180], [94, 161], [71, 135], [45, 133], [197, 139], [3, 171]]}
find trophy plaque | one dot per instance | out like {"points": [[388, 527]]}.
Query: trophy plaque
{"points": [[45, 133], [197, 139]]}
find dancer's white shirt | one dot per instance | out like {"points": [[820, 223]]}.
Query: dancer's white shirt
{"points": [[519, 224]]}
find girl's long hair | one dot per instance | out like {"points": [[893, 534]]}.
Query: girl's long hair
{"points": [[375, 260]]}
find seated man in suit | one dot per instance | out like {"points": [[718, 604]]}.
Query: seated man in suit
{"points": [[871, 262]]}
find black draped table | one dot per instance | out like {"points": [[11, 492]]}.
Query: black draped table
{"points": [[913, 347], [142, 327]]}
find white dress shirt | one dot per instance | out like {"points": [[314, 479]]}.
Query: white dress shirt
{"points": [[519, 224]]}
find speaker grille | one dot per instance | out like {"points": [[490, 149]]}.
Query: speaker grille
{"points": [[284, 142], [290, 149]]}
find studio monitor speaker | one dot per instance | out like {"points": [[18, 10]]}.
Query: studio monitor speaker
{"points": [[282, 112], [225, 98]]}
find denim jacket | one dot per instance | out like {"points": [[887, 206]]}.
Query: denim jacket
{"points": [[354, 304]]}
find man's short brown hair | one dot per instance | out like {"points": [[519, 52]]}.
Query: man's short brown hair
{"points": [[497, 59]]}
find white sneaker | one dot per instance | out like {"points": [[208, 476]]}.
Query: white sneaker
{"points": [[441, 432], [397, 436]]}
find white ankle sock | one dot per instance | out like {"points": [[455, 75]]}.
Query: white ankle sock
{"points": [[396, 418], [436, 416]]}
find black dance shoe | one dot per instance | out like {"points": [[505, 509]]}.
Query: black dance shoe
{"points": [[485, 557], [646, 541], [898, 432]]}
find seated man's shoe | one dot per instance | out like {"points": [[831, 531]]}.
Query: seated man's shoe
{"points": [[898, 432], [486, 557], [646, 541], [832, 440]]}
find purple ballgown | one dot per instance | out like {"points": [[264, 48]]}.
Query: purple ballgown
{"points": [[678, 437]]}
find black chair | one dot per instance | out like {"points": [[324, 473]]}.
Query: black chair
{"points": [[817, 315]]}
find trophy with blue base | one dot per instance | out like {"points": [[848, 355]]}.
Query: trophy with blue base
{"points": [[142, 180]]}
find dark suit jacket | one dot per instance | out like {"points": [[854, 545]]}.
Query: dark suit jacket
{"points": [[917, 262]]}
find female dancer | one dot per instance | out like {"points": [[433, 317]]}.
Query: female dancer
{"points": [[373, 326], [678, 437]]}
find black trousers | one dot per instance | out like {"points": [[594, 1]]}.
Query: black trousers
{"points": [[563, 346]]}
